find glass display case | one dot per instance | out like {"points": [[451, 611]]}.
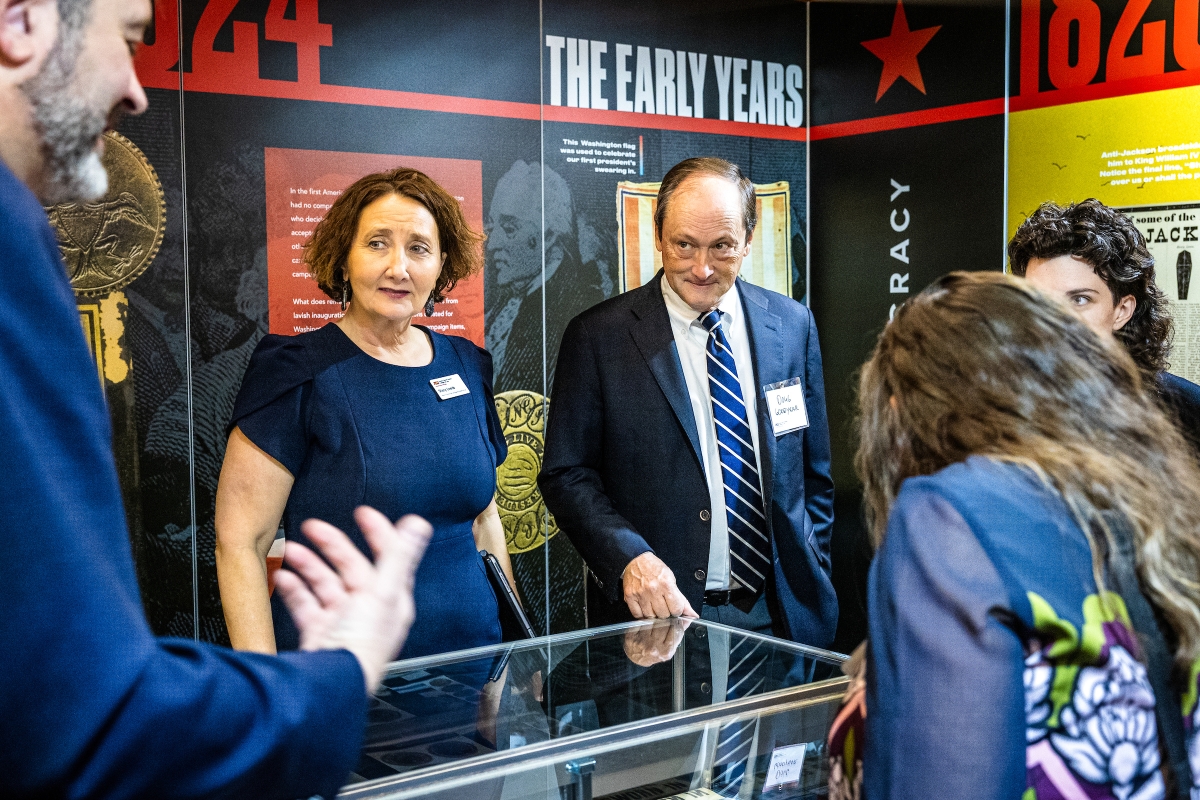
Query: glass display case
{"points": [[640, 711]]}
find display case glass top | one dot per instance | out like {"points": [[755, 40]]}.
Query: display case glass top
{"points": [[442, 719]]}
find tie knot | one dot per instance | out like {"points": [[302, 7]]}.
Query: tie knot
{"points": [[712, 320]]}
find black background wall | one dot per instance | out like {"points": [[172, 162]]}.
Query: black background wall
{"points": [[455, 79], [893, 138], [906, 185]]}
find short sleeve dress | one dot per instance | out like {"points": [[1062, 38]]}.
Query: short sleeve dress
{"points": [[354, 430]]}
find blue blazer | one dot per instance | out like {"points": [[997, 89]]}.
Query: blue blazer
{"points": [[622, 471], [91, 703]]}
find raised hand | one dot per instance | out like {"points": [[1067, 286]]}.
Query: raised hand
{"points": [[361, 607]]}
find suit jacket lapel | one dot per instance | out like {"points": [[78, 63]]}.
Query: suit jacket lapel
{"points": [[654, 339], [767, 350]]}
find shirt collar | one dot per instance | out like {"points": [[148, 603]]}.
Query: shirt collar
{"points": [[730, 306]]}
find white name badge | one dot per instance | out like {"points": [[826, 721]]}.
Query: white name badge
{"points": [[786, 764], [449, 386], [785, 403]]}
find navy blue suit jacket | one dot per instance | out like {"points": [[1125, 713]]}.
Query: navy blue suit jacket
{"points": [[622, 471], [91, 703]]}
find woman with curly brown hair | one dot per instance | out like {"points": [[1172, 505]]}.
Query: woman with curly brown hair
{"points": [[1033, 603], [370, 410], [1096, 260]]}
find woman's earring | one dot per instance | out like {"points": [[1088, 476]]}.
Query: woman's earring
{"points": [[429, 306], [345, 296]]}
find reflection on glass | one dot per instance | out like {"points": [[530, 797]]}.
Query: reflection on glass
{"points": [[515, 696]]}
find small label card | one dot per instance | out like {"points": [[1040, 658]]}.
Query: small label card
{"points": [[449, 386], [786, 763], [785, 403]]}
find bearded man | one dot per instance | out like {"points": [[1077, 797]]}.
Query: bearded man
{"points": [[91, 703]]}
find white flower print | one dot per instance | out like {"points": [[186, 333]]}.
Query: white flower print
{"points": [[1111, 732], [1039, 674], [839, 787]]}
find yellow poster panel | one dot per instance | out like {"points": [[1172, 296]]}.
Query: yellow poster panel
{"points": [[1139, 153]]}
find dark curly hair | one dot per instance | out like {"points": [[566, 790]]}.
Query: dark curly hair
{"points": [[326, 251], [1108, 241]]}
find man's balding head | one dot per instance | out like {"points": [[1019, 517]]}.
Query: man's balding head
{"points": [[703, 226], [707, 165]]}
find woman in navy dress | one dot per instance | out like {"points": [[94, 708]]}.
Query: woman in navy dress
{"points": [[1033, 606], [370, 410]]}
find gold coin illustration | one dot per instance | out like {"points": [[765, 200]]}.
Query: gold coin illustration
{"points": [[109, 243], [527, 523]]}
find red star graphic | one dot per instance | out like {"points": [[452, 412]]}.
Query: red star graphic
{"points": [[898, 52]]}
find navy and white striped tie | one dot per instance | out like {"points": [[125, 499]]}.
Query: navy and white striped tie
{"points": [[747, 522], [736, 737]]}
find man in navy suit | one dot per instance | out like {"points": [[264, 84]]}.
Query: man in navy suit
{"points": [[91, 703], [687, 452]]}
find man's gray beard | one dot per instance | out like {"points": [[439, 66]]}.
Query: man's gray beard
{"points": [[68, 128]]}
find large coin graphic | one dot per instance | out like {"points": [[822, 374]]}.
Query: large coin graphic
{"points": [[109, 243], [527, 523]]}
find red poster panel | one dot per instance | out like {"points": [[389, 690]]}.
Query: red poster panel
{"points": [[302, 185]]}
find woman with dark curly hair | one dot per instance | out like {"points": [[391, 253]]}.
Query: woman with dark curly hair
{"points": [[371, 410], [1094, 258]]}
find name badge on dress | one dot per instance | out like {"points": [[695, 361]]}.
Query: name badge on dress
{"points": [[449, 386], [785, 403]]}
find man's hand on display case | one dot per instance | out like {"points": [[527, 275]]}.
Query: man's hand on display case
{"points": [[653, 644], [362, 607], [650, 590]]}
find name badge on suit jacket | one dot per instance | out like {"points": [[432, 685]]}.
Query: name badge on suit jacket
{"points": [[785, 403]]}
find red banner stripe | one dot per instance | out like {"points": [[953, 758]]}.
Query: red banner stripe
{"points": [[629, 119], [390, 98], [910, 119], [1103, 91]]}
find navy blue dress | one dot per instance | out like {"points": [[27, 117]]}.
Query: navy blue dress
{"points": [[354, 430]]}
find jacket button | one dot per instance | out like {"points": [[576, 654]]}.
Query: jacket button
{"points": [[705, 516], [700, 575]]}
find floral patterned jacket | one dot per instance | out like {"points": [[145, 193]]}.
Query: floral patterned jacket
{"points": [[997, 668]]}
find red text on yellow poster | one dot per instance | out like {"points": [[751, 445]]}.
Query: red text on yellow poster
{"points": [[302, 185]]}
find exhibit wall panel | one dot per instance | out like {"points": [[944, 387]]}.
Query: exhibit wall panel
{"points": [[262, 111], [340, 91], [907, 176], [661, 82], [128, 259], [938, 127], [126, 256], [932, 129], [1117, 119]]}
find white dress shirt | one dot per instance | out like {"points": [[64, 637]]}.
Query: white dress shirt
{"points": [[691, 339]]}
